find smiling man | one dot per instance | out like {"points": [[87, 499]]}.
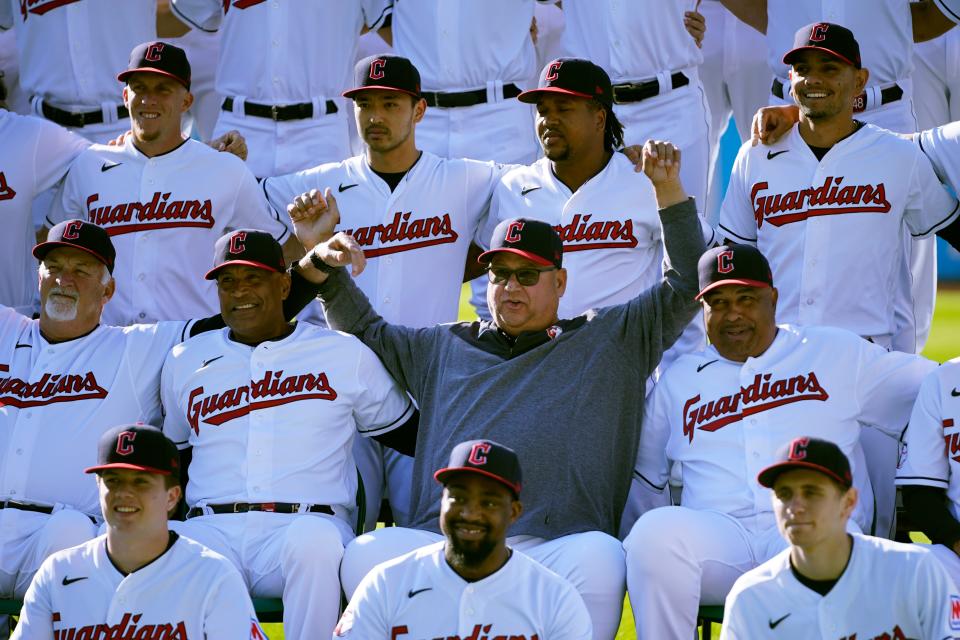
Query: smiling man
{"points": [[472, 582], [720, 414], [266, 414], [831, 583], [138, 579], [487, 380], [158, 191]]}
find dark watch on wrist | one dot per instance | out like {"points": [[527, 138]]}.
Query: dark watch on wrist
{"points": [[319, 264]]}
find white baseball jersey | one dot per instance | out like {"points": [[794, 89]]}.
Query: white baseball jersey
{"points": [[724, 421], [419, 596], [188, 592], [882, 29], [164, 215], [930, 454], [888, 591], [34, 156], [414, 237], [270, 50], [57, 399], [610, 228], [275, 422], [631, 40], [833, 229], [949, 8], [463, 45], [71, 50]]}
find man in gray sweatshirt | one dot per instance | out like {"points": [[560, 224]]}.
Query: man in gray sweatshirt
{"points": [[567, 395]]}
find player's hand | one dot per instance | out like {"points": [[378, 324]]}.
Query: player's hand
{"points": [[231, 142], [342, 250], [770, 123], [634, 154], [119, 140], [314, 216], [696, 25], [661, 161]]}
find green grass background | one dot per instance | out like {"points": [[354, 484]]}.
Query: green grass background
{"points": [[944, 343]]}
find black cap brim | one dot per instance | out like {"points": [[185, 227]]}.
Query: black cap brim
{"points": [[739, 281], [789, 55], [441, 474], [531, 96], [125, 465], [42, 249], [349, 93], [123, 75], [212, 274], [768, 476]]}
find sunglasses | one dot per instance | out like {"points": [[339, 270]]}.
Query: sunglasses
{"points": [[526, 277]]}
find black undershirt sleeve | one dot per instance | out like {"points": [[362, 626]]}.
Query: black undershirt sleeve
{"points": [[951, 233], [302, 291], [404, 437], [928, 512]]}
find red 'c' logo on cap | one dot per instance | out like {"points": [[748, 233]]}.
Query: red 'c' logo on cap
{"points": [[513, 231], [153, 52], [819, 32], [478, 454], [376, 69], [725, 261], [798, 450], [72, 230], [238, 242], [552, 71], [125, 442]]}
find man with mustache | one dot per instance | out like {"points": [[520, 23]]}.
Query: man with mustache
{"points": [[507, 594], [64, 380]]}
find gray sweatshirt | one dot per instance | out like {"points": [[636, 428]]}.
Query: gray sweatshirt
{"points": [[568, 400]]}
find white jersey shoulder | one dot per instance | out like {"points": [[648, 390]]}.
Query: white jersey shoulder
{"points": [[420, 596], [900, 591], [79, 593]]}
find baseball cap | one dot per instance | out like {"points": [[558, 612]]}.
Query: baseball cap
{"points": [[248, 247], [572, 77], [733, 264], [82, 235], [487, 458], [159, 57], [139, 447], [827, 37], [809, 453], [388, 72], [532, 239]]}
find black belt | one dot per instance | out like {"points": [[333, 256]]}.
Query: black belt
{"points": [[269, 507], [637, 91], [25, 506], [280, 112], [888, 94], [466, 98], [77, 120]]}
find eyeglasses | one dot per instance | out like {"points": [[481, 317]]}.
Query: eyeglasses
{"points": [[526, 277]]}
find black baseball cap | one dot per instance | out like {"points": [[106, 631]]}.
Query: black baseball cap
{"points": [[572, 77], [387, 72], [534, 240], [139, 447], [733, 264], [827, 37], [159, 57], [248, 247], [82, 235], [809, 453], [487, 458]]}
